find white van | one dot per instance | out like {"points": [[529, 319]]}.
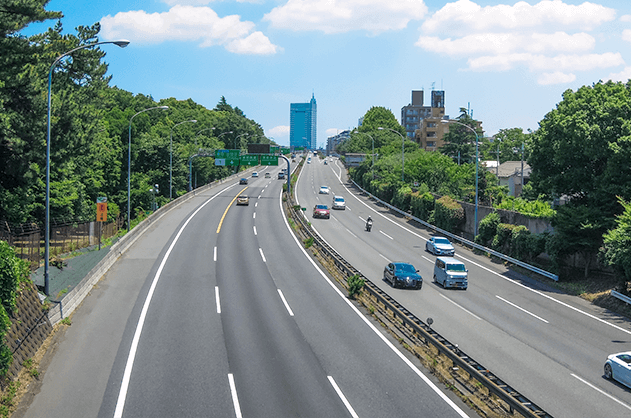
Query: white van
{"points": [[450, 272]]}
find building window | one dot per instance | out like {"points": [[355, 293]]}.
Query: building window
{"points": [[431, 124], [431, 144]]}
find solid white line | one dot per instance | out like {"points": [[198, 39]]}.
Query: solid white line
{"points": [[254, 230], [215, 254], [521, 309], [386, 234], [291, 313], [217, 299], [604, 393], [262, 256], [464, 309], [235, 398], [122, 394], [342, 397], [362, 317]]}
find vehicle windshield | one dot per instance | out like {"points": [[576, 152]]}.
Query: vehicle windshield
{"points": [[405, 268], [321, 207], [339, 199], [441, 241], [625, 357], [455, 267]]}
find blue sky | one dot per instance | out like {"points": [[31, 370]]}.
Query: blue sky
{"points": [[509, 61]]}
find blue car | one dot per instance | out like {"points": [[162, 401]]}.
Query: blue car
{"points": [[402, 275]]}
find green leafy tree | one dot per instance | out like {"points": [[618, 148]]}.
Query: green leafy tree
{"points": [[460, 141], [616, 250], [509, 142]]}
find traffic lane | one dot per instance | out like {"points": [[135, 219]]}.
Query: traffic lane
{"points": [[276, 373], [180, 355]]}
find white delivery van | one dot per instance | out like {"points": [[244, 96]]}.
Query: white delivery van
{"points": [[450, 272]]}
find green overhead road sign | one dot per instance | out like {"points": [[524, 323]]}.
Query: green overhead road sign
{"points": [[274, 150], [268, 159], [250, 159], [228, 157]]}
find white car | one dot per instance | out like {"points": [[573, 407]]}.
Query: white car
{"points": [[324, 190], [338, 203], [440, 246], [618, 367], [255, 174]]}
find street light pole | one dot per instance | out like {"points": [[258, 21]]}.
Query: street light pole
{"points": [[235, 140], [475, 220], [199, 132], [129, 165], [402, 151], [122, 44], [171, 158]]}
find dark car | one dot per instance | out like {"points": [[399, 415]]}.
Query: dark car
{"points": [[243, 181], [321, 211], [402, 275]]}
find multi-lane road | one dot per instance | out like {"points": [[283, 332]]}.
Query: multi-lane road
{"points": [[217, 310], [549, 346]]}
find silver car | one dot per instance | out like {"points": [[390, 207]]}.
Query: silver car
{"points": [[618, 367], [440, 246], [338, 203]]}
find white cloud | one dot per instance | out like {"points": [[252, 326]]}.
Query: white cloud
{"points": [[550, 37], [187, 2], [188, 23], [625, 18], [626, 35], [338, 16], [624, 75], [464, 16], [278, 131], [556, 77]]}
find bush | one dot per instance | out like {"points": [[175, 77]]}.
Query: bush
{"points": [[402, 197], [355, 286], [448, 214], [487, 229], [422, 204]]}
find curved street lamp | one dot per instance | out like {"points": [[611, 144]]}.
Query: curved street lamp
{"points": [[199, 132], [475, 217], [235, 140], [129, 164], [122, 43], [171, 158], [402, 151]]}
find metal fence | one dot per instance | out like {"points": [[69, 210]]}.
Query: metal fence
{"points": [[28, 239]]}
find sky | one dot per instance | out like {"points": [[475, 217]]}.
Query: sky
{"points": [[507, 62]]}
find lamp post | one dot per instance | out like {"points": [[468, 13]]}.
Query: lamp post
{"points": [[199, 132], [171, 158], [372, 168], [122, 44], [223, 133], [129, 165], [235, 140], [475, 218], [402, 151]]}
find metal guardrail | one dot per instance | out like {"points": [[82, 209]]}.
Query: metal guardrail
{"points": [[515, 400], [620, 296], [462, 240]]}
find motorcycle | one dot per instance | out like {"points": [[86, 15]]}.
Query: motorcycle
{"points": [[368, 225]]}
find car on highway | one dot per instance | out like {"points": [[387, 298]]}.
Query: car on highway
{"points": [[267, 175], [243, 200], [450, 272], [618, 367], [402, 275], [255, 174], [325, 163], [440, 246], [281, 175], [321, 211], [324, 190], [243, 181], [338, 203]]}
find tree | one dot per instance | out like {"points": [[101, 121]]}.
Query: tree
{"points": [[460, 141], [616, 250], [509, 141], [582, 148]]}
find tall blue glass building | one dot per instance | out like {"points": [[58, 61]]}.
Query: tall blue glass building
{"points": [[302, 124]]}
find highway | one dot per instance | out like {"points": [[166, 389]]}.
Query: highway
{"points": [[548, 345], [217, 310]]}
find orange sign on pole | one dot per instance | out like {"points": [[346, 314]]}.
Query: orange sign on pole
{"points": [[101, 209]]}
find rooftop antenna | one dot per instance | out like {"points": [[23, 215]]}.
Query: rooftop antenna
{"points": [[433, 84]]}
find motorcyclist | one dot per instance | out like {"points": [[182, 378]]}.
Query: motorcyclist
{"points": [[369, 223]]}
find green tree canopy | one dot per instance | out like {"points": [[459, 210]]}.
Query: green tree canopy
{"points": [[460, 141]]}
